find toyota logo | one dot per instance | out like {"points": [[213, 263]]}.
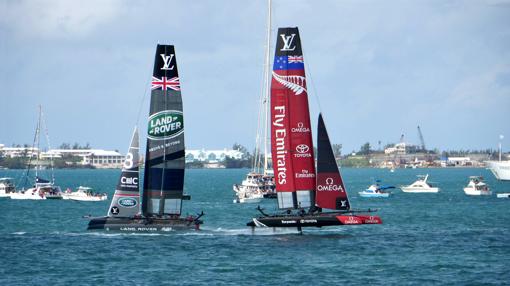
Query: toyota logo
{"points": [[302, 148]]}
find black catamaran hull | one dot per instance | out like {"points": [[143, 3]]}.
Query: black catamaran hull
{"points": [[143, 224], [313, 220]]}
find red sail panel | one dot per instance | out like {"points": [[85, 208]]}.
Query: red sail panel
{"points": [[280, 140], [331, 193], [291, 137]]}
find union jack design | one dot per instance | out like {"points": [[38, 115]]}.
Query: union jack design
{"points": [[295, 59], [166, 83]]}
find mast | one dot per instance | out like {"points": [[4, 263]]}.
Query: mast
{"points": [[331, 193], [38, 134], [126, 200], [291, 136], [164, 156], [47, 136], [500, 138], [267, 87]]}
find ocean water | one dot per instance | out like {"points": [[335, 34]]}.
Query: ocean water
{"points": [[444, 238]]}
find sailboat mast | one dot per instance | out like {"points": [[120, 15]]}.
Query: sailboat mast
{"points": [[267, 87], [38, 134], [47, 136]]}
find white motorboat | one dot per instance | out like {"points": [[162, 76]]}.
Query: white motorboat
{"points": [[6, 187], [420, 186], [503, 195], [84, 194], [477, 187], [500, 169], [376, 191], [251, 190]]}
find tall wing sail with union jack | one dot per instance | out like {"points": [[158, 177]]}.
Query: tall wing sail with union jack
{"points": [[164, 157]]}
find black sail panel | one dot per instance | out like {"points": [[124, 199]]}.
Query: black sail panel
{"points": [[164, 157], [331, 193], [126, 200]]}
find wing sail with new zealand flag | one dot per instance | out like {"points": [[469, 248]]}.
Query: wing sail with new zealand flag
{"points": [[291, 136]]}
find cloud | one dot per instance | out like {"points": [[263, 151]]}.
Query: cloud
{"points": [[482, 90], [57, 18]]}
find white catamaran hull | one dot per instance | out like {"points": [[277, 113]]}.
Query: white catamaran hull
{"points": [[27, 195]]}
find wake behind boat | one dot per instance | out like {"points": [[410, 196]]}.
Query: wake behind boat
{"points": [[302, 192], [164, 163]]}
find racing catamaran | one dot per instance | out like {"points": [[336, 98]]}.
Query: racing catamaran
{"points": [[163, 184], [302, 192]]}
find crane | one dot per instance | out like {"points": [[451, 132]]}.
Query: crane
{"points": [[421, 140]]}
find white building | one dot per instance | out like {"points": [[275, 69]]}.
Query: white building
{"points": [[212, 156], [459, 161], [401, 148], [97, 158], [103, 159], [14, 152]]}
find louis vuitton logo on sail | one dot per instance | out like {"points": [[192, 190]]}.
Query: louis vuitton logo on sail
{"points": [[167, 60], [287, 41], [279, 134]]}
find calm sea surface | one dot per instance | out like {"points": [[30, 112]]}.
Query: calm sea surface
{"points": [[444, 238]]}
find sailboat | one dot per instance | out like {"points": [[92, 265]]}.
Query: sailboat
{"points": [[303, 192], [259, 182], [41, 189], [161, 202]]}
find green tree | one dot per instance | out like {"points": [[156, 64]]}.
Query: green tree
{"points": [[337, 150], [365, 149]]}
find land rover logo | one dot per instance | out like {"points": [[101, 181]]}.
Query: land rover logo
{"points": [[165, 124], [302, 148], [127, 202]]}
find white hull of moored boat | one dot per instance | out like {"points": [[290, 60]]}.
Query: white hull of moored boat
{"points": [[84, 198], [247, 200], [500, 169], [419, 190], [27, 195], [373, 195], [503, 196], [472, 192]]}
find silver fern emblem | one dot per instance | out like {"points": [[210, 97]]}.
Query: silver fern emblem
{"points": [[296, 83]]}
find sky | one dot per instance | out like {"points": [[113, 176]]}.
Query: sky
{"points": [[376, 69]]}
